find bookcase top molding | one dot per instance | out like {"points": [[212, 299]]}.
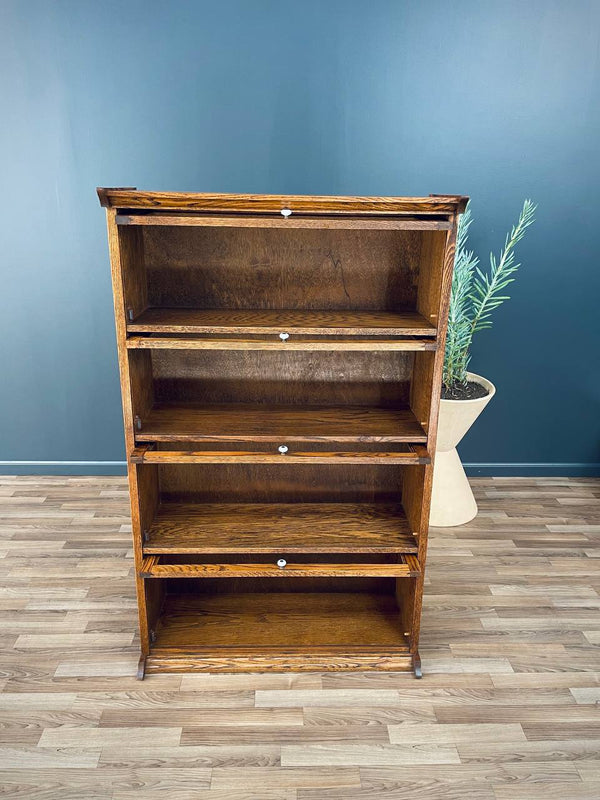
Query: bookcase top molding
{"points": [[131, 198]]}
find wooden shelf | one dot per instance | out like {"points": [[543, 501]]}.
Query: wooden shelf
{"points": [[280, 528], [274, 423], [358, 323], [279, 620]]}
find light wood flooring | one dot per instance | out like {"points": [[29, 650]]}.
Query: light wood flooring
{"points": [[508, 708]]}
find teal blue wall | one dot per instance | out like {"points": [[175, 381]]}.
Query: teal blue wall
{"points": [[498, 100]]}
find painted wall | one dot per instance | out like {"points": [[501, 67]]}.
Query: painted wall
{"points": [[496, 100]]}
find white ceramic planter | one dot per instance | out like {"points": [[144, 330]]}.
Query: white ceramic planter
{"points": [[452, 501]]}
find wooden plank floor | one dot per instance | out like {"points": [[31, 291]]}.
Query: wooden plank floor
{"points": [[508, 708]]}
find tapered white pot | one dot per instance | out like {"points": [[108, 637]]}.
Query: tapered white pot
{"points": [[452, 501]]}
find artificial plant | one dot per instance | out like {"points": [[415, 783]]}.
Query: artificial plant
{"points": [[475, 294]]}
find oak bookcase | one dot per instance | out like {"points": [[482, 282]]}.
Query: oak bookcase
{"points": [[280, 361]]}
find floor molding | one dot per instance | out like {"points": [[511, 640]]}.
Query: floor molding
{"points": [[495, 469], [63, 467], [533, 469]]}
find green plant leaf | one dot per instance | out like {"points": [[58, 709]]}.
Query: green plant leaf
{"points": [[475, 293]]}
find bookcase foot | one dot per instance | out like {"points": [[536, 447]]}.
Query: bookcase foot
{"points": [[141, 670], [417, 665]]}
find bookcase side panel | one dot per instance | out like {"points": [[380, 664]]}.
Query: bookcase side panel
{"points": [[135, 290], [431, 277], [445, 269], [141, 383], [125, 254], [425, 398]]}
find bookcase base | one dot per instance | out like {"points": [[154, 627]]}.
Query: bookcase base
{"points": [[356, 661]]}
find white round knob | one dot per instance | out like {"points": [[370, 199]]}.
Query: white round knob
{"points": [[285, 212], [282, 448], [282, 563], [284, 336]]}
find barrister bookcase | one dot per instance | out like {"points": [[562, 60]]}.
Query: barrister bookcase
{"points": [[280, 362]]}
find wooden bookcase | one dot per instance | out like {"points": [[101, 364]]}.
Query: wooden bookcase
{"points": [[280, 362]]}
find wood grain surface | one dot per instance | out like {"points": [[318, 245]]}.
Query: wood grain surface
{"points": [[280, 527], [321, 222], [172, 422], [255, 268], [204, 201], [278, 377], [144, 455], [324, 273], [281, 620], [274, 321], [311, 345], [507, 708], [162, 567]]}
